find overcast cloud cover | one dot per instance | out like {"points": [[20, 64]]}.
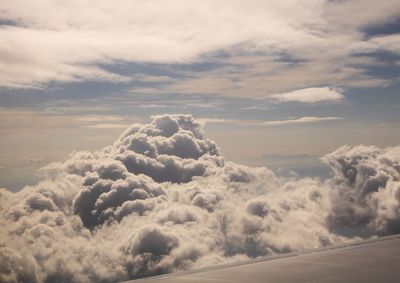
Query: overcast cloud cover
{"points": [[161, 198]]}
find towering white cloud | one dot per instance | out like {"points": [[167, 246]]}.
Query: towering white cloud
{"points": [[161, 198]]}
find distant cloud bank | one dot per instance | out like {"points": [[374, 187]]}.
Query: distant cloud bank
{"points": [[161, 198]]}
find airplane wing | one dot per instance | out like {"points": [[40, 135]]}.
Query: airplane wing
{"points": [[375, 260]]}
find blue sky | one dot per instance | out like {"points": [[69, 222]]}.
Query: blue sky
{"points": [[292, 80]]}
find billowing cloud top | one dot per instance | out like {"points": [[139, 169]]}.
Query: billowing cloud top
{"points": [[161, 198]]}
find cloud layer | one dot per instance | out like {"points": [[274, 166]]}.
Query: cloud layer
{"points": [[318, 35], [161, 198]]}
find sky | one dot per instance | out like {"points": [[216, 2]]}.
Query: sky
{"points": [[146, 137], [276, 83]]}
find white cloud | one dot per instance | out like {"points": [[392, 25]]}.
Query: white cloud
{"points": [[99, 118], [302, 120], [266, 77], [161, 198], [205, 121], [388, 43], [243, 122], [106, 126], [257, 108], [152, 105], [310, 95], [65, 41], [201, 105]]}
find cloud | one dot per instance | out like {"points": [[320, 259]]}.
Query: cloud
{"points": [[371, 16], [102, 118], [153, 106], [310, 95], [15, 121], [205, 121], [367, 191], [256, 108], [301, 120], [106, 126], [102, 122], [264, 77], [314, 32], [161, 198]]}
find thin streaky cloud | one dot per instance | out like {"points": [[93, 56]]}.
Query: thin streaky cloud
{"points": [[153, 106], [310, 95], [302, 120], [256, 108], [102, 118], [107, 126]]}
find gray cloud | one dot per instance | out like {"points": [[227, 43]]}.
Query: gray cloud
{"points": [[366, 189], [161, 199]]}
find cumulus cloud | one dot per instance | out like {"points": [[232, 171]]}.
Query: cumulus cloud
{"points": [[161, 198], [310, 95], [367, 189]]}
